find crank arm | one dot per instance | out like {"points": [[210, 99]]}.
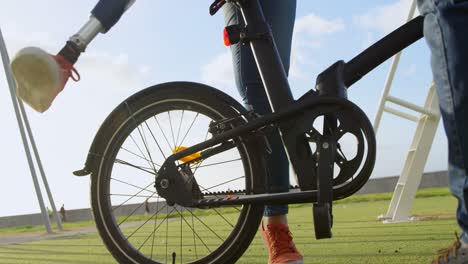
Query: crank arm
{"points": [[322, 210]]}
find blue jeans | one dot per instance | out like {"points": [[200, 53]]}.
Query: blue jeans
{"points": [[446, 32], [280, 14]]}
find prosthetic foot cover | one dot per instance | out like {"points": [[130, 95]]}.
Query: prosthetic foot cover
{"points": [[40, 76]]}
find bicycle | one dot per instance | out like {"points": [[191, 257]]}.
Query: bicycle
{"points": [[196, 215]]}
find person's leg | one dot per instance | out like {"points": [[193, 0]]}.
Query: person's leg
{"points": [[40, 76], [446, 32], [280, 15]]}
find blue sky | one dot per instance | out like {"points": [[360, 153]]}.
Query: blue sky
{"points": [[160, 41]]}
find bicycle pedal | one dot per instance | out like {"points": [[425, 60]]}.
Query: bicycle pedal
{"points": [[323, 220]]}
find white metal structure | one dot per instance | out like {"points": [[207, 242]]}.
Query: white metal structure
{"points": [[405, 190], [23, 122]]}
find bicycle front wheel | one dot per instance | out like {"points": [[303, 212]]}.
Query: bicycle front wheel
{"points": [[135, 223]]}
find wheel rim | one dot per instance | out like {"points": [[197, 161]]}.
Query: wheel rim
{"points": [[194, 236]]}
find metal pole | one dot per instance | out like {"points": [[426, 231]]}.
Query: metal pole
{"points": [[14, 99], [39, 165]]}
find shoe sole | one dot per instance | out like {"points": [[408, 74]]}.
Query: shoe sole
{"points": [[36, 74], [294, 262]]}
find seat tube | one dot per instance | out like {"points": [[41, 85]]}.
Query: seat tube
{"points": [[266, 55]]}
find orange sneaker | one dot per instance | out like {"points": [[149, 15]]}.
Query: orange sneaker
{"points": [[281, 248], [40, 76]]}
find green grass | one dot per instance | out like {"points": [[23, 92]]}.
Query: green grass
{"points": [[29, 228], [74, 225], [432, 192], [358, 237]]}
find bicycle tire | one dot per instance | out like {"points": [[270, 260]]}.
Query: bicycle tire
{"points": [[127, 117]]}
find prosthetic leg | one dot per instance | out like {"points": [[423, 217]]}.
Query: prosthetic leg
{"points": [[41, 76]]}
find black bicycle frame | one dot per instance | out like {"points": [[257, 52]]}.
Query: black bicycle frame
{"points": [[332, 82]]}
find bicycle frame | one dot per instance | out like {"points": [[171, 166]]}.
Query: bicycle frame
{"points": [[333, 82], [331, 85]]}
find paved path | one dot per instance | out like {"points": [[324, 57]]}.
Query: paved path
{"points": [[7, 239], [18, 238]]}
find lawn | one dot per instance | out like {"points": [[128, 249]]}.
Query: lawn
{"points": [[358, 237]]}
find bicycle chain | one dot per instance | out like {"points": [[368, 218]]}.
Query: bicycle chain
{"points": [[239, 191]]}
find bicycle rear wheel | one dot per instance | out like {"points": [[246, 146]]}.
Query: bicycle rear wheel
{"points": [[135, 223]]}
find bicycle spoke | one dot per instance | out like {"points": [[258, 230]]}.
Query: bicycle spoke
{"points": [[167, 230], [194, 233], [190, 127], [225, 183], [139, 149], [164, 134], [209, 228], [138, 128], [142, 189], [181, 243], [134, 232], [119, 161], [134, 211], [180, 126], [194, 241], [155, 140], [219, 163], [172, 130], [128, 195], [199, 164], [133, 153], [143, 138], [129, 184], [224, 218], [166, 219], [154, 227]]}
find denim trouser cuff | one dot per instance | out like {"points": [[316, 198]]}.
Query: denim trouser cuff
{"points": [[275, 210]]}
